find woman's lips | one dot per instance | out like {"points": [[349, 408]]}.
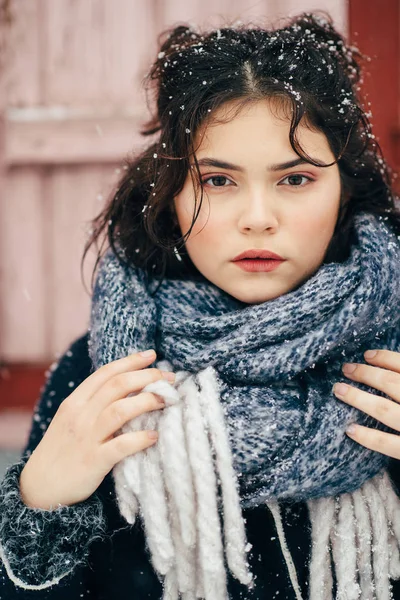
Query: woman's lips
{"points": [[258, 264]]}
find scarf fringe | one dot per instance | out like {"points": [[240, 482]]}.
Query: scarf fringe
{"points": [[360, 533], [174, 487]]}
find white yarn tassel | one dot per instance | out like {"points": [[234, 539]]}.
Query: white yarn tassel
{"points": [[126, 475], [128, 504], [390, 500], [322, 517], [179, 485], [154, 505], [208, 525], [343, 541], [171, 585], [380, 541], [200, 576], [188, 596], [391, 503], [132, 473], [234, 528], [176, 467], [365, 542], [364, 545], [275, 511], [185, 561], [394, 557]]}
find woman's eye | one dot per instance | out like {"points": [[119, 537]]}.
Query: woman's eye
{"points": [[296, 180], [218, 181]]}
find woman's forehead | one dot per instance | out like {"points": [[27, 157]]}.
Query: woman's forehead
{"points": [[254, 125]]}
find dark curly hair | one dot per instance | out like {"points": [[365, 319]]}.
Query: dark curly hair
{"points": [[306, 66]]}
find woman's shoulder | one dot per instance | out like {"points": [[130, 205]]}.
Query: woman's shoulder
{"points": [[66, 373], [75, 360]]}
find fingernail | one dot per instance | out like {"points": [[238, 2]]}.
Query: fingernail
{"points": [[168, 375], [153, 435], [351, 429], [370, 353], [147, 353], [349, 368], [160, 399], [340, 389]]}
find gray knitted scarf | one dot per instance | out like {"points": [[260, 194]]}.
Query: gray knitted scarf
{"points": [[251, 419]]}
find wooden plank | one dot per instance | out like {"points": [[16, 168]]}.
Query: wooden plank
{"points": [[205, 14], [129, 47], [70, 140], [22, 76], [95, 51], [216, 13], [73, 63], [337, 9], [78, 195], [24, 308]]}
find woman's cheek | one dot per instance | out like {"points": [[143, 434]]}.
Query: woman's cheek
{"points": [[313, 232], [205, 239]]}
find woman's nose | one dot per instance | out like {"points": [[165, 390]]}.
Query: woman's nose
{"points": [[259, 213]]}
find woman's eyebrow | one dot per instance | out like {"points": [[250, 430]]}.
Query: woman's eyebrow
{"points": [[220, 164]]}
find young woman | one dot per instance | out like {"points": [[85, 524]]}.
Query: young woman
{"points": [[253, 260]]}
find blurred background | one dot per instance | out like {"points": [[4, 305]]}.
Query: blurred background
{"points": [[71, 104]]}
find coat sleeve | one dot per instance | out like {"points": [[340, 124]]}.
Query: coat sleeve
{"points": [[38, 548]]}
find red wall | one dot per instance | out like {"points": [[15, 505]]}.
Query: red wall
{"points": [[374, 29]]}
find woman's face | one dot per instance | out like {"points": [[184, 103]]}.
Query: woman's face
{"points": [[259, 202]]}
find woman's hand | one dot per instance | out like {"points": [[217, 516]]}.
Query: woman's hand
{"points": [[79, 447], [384, 376]]}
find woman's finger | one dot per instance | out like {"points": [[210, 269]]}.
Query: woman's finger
{"points": [[384, 358], [125, 384], [120, 412], [384, 380], [385, 443], [132, 362], [383, 410]]}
